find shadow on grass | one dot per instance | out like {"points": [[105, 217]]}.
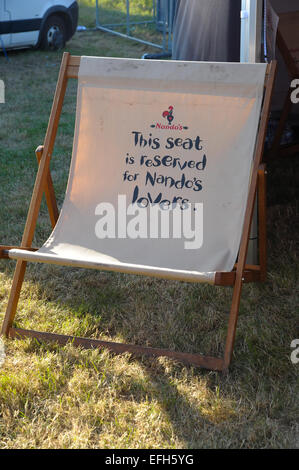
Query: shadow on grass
{"points": [[189, 317]]}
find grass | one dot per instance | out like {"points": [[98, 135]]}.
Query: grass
{"points": [[63, 397]]}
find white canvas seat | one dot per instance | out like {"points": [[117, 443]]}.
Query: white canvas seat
{"points": [[219, 104], [164, 134]]}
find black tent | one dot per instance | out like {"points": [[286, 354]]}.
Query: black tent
{"points": [[210, 30], [207, 30]]}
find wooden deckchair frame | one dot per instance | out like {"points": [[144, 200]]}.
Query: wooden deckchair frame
{"points": [[240, 274], [292, 65]]}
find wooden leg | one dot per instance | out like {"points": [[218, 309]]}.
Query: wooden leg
{"points": [[232, 323], [43, 169], [21, 265], [41, 182], [234, 312], [262, 209], [14, 297]]}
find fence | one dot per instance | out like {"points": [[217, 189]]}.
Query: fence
{"points": [[162, 17]]}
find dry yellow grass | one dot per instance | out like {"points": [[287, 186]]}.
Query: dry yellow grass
{"points": [[62, 397]]}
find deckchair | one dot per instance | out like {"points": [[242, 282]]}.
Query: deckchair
{"points": [[288, 45], [204, 119]]}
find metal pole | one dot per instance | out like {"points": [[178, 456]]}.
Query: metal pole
{"points": [[125, 36], [251, 37], [251, 30], [128, 16], [164, 8], [97, 14], [170, 18]]}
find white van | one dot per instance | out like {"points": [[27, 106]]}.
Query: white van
{"points": [[47, 24]]}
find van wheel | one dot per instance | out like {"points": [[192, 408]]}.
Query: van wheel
{"points": [[53, 34]]}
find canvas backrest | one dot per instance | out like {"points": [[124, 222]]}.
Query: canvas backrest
{"points": [[161, 137]]}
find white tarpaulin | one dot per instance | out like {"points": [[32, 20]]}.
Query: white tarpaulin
{"points": [[158, 133], [271, 23]]}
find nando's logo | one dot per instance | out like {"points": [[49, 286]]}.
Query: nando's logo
{"points": [[169, 117]]}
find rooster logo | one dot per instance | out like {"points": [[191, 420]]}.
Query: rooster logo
{"points": [[169, 115]]}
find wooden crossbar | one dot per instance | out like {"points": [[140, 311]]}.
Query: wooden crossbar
{"points": [[207, 362]]}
